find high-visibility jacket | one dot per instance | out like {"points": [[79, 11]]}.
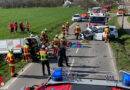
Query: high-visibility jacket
{"points": [[28, 26], [77, 29], [55, 41], [106, 31], [43, 54], [26, 50], [10, 59]]}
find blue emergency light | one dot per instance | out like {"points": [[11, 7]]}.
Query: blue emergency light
{"points": [[57, 74], [126, 79]]}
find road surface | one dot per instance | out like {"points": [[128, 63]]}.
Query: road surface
{"points": [[93, 59]]}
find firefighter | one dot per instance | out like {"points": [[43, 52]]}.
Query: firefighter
{"points": [[77, 31], [106, 30], [67, 28], [11, 27], [15, 26], [28, 27], [27, 53], [44, 60], [63, 29], [55, 43], [61, 55], [63, 40], [44, 37], [11, 61]]}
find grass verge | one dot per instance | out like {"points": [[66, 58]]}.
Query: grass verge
{"points": [[39, 18], [121, 47], [129, 19]]}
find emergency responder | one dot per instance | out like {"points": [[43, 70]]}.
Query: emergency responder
{"points": [[15, 26], [28, 27], [63, 29], [63, 40], [106, 30], [27, 53], [77, 31], [67, 28], [11, 27], [21, 26], [44, 37], [11, 61], [55, 43], [61, 55], [44, 60]]}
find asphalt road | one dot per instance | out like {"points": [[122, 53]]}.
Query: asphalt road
{"points": [[97, 58]]}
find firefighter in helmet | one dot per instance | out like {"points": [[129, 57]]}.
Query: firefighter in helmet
{"points": [[106, 30], [11, 61], [55, 43], [67, 28], [77, 31]]}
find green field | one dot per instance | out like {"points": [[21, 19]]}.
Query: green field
{"points": [[39, 18], [128, 19], [121, 47]]}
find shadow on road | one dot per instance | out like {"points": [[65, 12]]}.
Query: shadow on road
{"points": [[33, 76], [83, 56], [85, 66]]}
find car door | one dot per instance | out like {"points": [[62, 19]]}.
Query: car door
{"points": [[98, 34]]}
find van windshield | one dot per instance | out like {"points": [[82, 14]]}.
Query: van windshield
{"points": [[97, 19]]}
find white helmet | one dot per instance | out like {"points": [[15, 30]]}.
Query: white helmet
{"points": [[56, 36], [43, 46], [27, 42], [45, 30], [63, 26], [11, 50], [31, 35], [42, 32], [47, 48], [67, 22]]}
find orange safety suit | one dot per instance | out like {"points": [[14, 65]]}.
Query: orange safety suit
{"points": [[77, 31], [63, 41], [67, 28], [27, 53], [106, 34], [44, 38], [11, 61], [15, 27], [55, 42]]}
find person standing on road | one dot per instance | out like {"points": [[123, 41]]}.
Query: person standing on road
{"points": [[67, 28], [55, 43], [63, 29], [28, 27], [44, 60], [77, 31], [106, 30], [15, 26], [63, 40], [27, 53], [11, 61], [61, 55]]}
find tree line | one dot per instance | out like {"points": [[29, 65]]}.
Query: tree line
{"points": [[30, 3]]}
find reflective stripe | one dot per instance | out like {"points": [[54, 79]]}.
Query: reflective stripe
{"points": [[43, 55]]}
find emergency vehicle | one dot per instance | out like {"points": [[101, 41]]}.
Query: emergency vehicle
{"points": [[121, 12], [63, 79], [17, 45]]}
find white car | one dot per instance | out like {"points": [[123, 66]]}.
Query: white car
{"points": [[76, 18], [100, 34], [97, 33]]}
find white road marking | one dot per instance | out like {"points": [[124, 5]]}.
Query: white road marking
{"points": [[77, 50], [115, 70], [13, 80]]}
